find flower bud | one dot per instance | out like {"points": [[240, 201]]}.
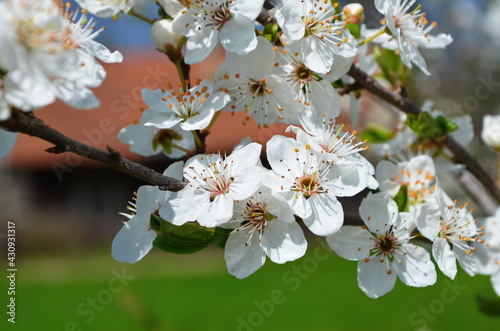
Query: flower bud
{"points": [[166, 40], [491, 131], [353, 13]]}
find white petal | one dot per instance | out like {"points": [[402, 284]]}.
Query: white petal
{"points": [[153, 98], [242, 260], [327, 214], [133, 241], [317, 57], [378, 211], [217, 212], [247, 182], [466, 261], [185, 206], [351, 242], [417, 268], [444, 257], [283, 242], [139, 137], [102, 53], [427, 218], [373, 278], [290, 21], [238, 35], [249, 8], [200, 45]]}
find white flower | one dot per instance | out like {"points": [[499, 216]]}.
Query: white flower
{"points": [[214, 183], [148, 140], [451, 235], [383, 249], [338, 146], [106, 8], [313, 90], [49, 53], [309, 184], [7, 141], [251, 86], [263, 227], [488, 249], [192, 109], [135, 239], [417, 174], [205, 22], [311, 21], [410, 31], [491, 131], [165, 39]]}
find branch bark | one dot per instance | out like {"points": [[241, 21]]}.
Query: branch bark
{"points": [[28, 124], [404, 104]]}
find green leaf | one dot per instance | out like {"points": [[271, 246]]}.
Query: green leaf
{"points": [[220, 237], [336, 6], [401, 199], [164, 242], [390, 64], [424, 125], [354, 29], [270, 32], [188, 238], [155, 222], [446, 125], [488, 306], [375, 133]]}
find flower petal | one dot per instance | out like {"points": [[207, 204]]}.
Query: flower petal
{"points": [[373, 278]]}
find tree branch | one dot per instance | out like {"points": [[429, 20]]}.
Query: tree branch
{"points": [[29, 124], [404, 104]]}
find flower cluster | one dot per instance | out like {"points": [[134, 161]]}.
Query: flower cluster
{"points": [[293, 70], [48, 53]]}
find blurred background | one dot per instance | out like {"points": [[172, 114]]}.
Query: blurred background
{"points": [[66, 210]]}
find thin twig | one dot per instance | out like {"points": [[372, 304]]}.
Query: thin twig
{"points": [[29, 124]]}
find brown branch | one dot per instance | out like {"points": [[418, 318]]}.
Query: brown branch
{"points": [[29, 124], [404, 104]]}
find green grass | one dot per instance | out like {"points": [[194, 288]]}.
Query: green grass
{"points": [[172, 292]]}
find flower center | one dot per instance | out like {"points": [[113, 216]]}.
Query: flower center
{"points": [[220, 16], [258, 88], [302, 73], [309, 185], [386, 244]]}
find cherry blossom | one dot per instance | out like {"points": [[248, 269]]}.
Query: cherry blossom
{"points": [[205, 22], [264, 226], [253, 88], [50, 52], [313, 23], [310, 184], [409, 31], [214, 183], [148, 140], [383, 248], [192, 109]]}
